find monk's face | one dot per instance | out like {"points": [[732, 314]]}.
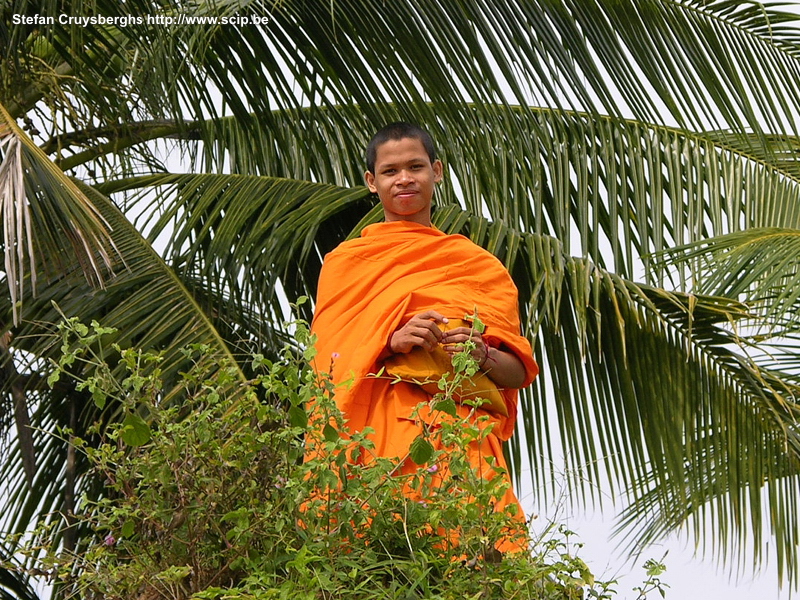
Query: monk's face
{"points": [[404, 179]]}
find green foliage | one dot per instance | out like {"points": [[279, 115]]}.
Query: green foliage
{"points": [[258, 490], [654, 569]]}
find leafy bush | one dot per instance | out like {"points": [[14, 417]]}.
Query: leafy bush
{"points": [[250, 491]]}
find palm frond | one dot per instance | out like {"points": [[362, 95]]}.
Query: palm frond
{"points": [[45, 213], [243, 235], [12, 587], [570, 55], [760, 265], [717, 525]]}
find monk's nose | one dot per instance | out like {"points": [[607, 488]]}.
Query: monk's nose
{"points": [[405, 177]]}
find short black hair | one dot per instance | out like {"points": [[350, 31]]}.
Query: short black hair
{"points": [[397, 131]]}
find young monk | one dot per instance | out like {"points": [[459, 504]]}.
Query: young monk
{"points": [[396, 288]]}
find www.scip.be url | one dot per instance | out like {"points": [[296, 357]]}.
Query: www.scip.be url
{"points": [[124, 21]]}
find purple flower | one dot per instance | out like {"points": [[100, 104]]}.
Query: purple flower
{"points": [[109, 540], [335, 355], [433, 468]]}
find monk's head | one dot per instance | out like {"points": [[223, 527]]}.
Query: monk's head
{"points": [[403, 170]]}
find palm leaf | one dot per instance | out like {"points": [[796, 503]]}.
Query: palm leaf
{"points": [[242, 236], [758, 264], [579, 55], [44, 213]]}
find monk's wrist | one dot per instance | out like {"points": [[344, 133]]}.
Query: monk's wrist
{"points": [[486, 358], [387, 349]]}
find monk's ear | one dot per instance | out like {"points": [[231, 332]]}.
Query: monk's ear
{"points": [[437, 170], [369, 178]]}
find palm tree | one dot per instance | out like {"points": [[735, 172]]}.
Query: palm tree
{"points": [[632, 162]]}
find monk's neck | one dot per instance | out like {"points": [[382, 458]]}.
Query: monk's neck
{"points": [[423, 222]]}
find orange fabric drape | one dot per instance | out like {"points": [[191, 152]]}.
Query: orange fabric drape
{"points": [[372, 285]]}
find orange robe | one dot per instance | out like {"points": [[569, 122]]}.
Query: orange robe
{"points": [[371, 286]]}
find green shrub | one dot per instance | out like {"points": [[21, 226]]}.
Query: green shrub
{"points": [[210, 497]]}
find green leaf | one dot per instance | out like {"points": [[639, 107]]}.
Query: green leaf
{"points": [[298, 417], [135, 431], [447, 406], [53, 378], [99, 397], [421, 450], [127, 529], [330, 433]]}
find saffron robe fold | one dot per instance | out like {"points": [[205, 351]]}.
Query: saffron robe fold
{"points": [[371, 286]]}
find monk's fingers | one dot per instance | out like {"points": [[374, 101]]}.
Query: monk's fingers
{"points": [[423, 334], [404, 340], [431, 315], [428, 345], [457, 345], [416, 332], [425, 328], [454, 341], [408, 336], [459, 335], [478, 354], [452, 349]]}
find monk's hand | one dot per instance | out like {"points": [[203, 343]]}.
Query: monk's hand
{"points": [[421, 330], [453, 342]]}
